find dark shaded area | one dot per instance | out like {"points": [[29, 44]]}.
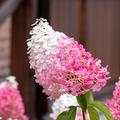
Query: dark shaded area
{"points": [[40, 102], [43, 9]]}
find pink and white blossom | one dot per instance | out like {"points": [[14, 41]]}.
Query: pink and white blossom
{"points": [[11, 103], [61, 64]]}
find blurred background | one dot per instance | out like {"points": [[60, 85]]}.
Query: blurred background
{"points": [[94, 23]]}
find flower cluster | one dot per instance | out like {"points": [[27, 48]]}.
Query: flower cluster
{"points": [[63, 103], [61, 64], [114, 104], [11, 104]]}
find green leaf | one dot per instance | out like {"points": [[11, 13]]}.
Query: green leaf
{"points": [[103, 108], [94, 115], [63, 116], [84, 100], [68, 115]]}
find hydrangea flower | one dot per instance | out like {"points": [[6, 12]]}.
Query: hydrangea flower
{"points": [[11, 104], [63, 103], [61, 64], [114, 103]]}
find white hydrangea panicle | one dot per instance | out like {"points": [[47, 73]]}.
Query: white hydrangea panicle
{"points": [[62, 104], [9, 81]]}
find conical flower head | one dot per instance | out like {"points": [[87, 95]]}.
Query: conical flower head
{"points": [[11, 103], [61, 64]]}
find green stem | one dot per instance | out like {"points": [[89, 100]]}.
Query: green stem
{"points": [[84, 100]]}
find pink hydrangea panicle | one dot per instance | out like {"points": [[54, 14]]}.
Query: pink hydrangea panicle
{"points": [[11, 104], [114, 103], [61, 64]]}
